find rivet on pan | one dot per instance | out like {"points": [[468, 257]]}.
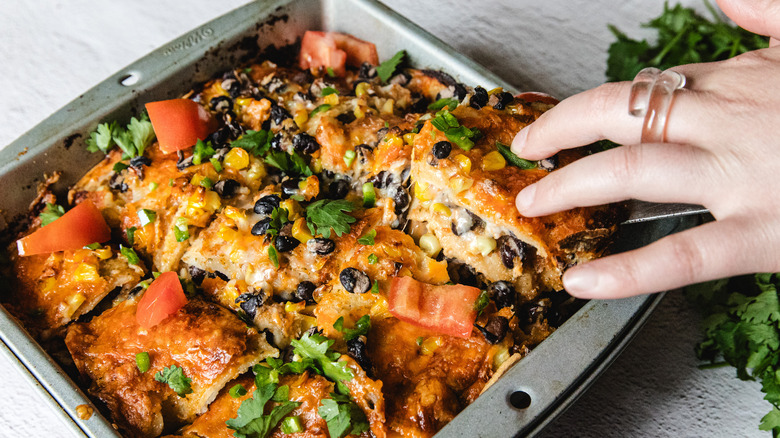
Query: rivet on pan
{"points": [[520, 400], [130, 79]]}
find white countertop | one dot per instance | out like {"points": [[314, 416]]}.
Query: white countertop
{"points": [[51, 51]]}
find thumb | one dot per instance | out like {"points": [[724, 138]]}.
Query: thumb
{"points": [[758, 16]]}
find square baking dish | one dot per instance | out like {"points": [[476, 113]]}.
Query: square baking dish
{"points": [[532, 392]]}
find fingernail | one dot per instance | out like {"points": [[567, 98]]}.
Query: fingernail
{"points": [[519, 141], [581, 281], [525, 198]]}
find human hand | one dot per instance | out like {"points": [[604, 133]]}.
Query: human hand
{"points": [[722, 151]]}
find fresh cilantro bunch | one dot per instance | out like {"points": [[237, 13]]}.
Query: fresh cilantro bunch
{"points": [[743, 330], [132, 141], [684, 37]]}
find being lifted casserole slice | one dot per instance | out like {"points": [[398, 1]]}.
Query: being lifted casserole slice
{"points": [[464, 194]]}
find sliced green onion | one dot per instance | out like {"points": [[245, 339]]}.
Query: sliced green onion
{"points": [[369, 195], [274, 256], [368, 238], [153, 186], [156, 274], [349, 157], [461, 136], [372, 259], [142, 361], [514, 159], [206, 182], [375, 287], [319, 109], [292, 425], [420, 340], [327, 91], [217, 165], [146, 216], [237, 391], [93, 246], [449, 102], [330, 72], [130, 235], [181, 229], [482, 301], [130, 254]]}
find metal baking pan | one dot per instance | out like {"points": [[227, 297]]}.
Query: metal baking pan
{"points": [[543, 384]]}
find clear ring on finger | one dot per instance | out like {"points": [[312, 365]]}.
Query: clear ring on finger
{"points": [[652, 92]]}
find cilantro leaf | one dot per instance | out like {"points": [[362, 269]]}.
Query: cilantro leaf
{"points": [[362, 326], [326, 362], [256, 143], [251, 421], [327, 215], [368, 238], [462, 136], [174, 377], [51, 213], [342, 416], [130, 254], [291, 164], [141, 133], [102, 139], [386, 69], [482, 301]]}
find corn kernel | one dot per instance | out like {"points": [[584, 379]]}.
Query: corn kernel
{"points": [[394, 141], [243, 101], [256, 171], [429, 345], [388, 107], [237, 159], [380, 309], [442, 209], [361, 89], [500, 356], [290, 307], [301, 117], [405, 272], [212, 201], [307, 322], [391, 251], [294, 210], [463, 162], [459, 184], [409, 137], [196, 179], [331, 99], [430, 244], [86, 272], [73, 303], [495, 90], [227, 234], [234, 213], [104, 253], [48, 284], [358, 111], [422, 191], [316, 165], [484, 245], [493, 161], [301, 231]]}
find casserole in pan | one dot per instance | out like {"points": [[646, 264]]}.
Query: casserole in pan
{"points": [[159, 87]]}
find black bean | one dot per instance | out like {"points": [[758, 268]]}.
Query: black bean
{"points": [[363, 152], [140, 161], [304, 292], [305, 143], [196, 274], [367, 71], [355, 281], [267, 204], [419, 106], [401, 199], [381, 180], [356, 348], [290, 187], [183, 163], [261, 227], [347, 117], [480, 98], [226, 188], [279, 114], [442, 149], [504, 99], [276, 142], [250, 302], [459, 91], [286, 243], [221, 103], [338, 189], [320, 246], [495, 330], [510, 248], [221, 276], [549, 164], [232, 86], [502, 293], [117, 182], [219, 137]]}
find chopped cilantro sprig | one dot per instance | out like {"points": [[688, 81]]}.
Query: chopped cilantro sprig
{"points": [[132, 140], [325, 215], [174, 377]]}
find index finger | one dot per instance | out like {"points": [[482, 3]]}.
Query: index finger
{"points": [[579, 120]]}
